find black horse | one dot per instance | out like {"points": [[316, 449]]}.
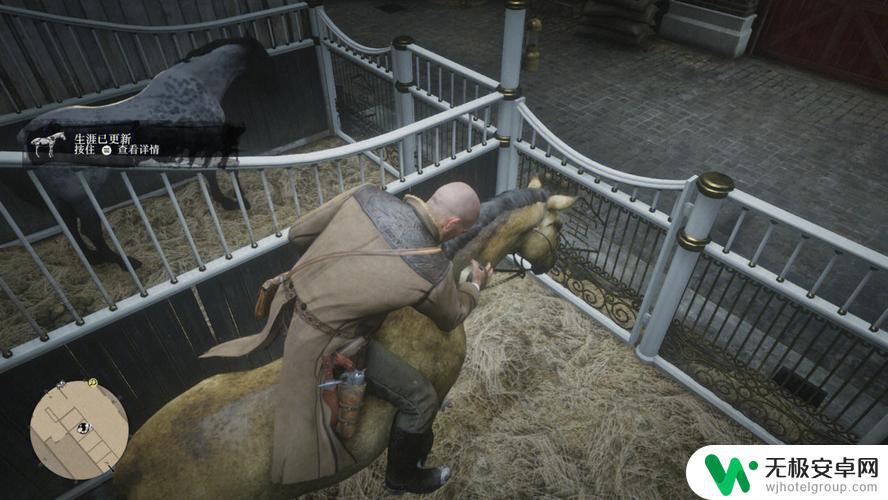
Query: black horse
{"points": [[179, 111]]}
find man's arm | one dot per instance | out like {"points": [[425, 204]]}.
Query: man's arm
{"points": [[448, 303], [310, 225]]}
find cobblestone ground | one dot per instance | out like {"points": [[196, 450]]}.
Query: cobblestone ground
{"points": [[811, 145]]}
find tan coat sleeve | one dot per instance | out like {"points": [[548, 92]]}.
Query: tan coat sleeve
{"points": [[448, 303], [310, 225]]}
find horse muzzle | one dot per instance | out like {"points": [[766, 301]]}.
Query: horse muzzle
{"points": [[543, 267]]}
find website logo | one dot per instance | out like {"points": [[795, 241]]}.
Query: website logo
{"points": [[788, 472], [725, 479]]}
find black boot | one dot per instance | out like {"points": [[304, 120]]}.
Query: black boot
{"points": [[405, 452], [425, 447]]}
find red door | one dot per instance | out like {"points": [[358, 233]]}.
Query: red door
{"points": [[844, 38]]}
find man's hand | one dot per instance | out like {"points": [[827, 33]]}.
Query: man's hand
{"points": [[481, 276]]}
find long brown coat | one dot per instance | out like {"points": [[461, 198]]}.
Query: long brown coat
{"points": [[351, 294]]}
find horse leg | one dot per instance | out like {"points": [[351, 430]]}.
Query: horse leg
{"points": [[92, 229], [243, 190], [69, 216], [216, 193]]}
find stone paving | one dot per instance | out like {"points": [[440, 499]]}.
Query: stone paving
{"points": [[814, 146]]}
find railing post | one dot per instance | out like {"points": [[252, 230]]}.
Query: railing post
{"points": [[402, 62], [713, 187], [325, 64], [510, 71], [677, 218]]}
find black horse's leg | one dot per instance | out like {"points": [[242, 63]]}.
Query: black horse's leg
{"points": [[69, 216], [92, 229], [243, 190], [216, 193]]}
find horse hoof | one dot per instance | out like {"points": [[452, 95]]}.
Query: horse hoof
{"points": [[229, 204], [134, 262]]}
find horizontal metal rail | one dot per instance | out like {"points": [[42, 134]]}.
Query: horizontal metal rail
{"points": [[593, 166], [692, 385], [12, 159], [457, 68], [104, 317], [566, 294], [852, 323], [152, 46], [373, 68], [123, 90], [130, 28], [348, 40], [810, 229], [432, 100], [370, 154], [636, 206]]}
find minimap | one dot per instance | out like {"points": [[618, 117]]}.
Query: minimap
{"points": [[79, 430]]}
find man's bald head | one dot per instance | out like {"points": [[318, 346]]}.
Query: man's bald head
{"points": [[455, 207]]}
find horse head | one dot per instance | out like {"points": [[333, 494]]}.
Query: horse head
{"points": [[523, 221], [540, 245]]}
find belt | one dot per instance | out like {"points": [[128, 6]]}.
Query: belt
{"points": [[271, 299], [301, 308]]}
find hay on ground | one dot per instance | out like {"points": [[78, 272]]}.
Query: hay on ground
{"points": [[551, 405]]}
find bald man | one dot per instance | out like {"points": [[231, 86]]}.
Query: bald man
{"points": [[338, 304]]}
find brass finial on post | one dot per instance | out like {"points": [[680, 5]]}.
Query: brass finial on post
{"points": [[531, 60]]}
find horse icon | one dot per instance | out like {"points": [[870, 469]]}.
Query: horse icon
{"points": [[46, 141]]}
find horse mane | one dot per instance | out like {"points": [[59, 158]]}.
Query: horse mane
{"points": [[490, 210], [259, 69], [251, 44]]}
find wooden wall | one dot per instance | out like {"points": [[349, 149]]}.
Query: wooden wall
{"points": [[145, 359], [150, 357]]}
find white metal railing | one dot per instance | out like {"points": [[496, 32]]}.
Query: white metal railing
{"points": [[821, 340], [868, 263], [450, 82], [386, 146], [347, 65], [15, 159], [541, 138], [541, 134], [380, 57], [679, 287], [128, 55], [868, 329]]}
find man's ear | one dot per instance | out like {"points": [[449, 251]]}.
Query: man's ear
{"points": [[452, 223]]}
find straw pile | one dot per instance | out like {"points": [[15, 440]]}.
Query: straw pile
{"points": [[549, 404], [23, 277]]}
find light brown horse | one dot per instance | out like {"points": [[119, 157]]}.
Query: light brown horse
{"points": [[215, 439]]}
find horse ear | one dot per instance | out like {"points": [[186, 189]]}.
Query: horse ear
{"points": [[535, 183], [560, 202]]}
